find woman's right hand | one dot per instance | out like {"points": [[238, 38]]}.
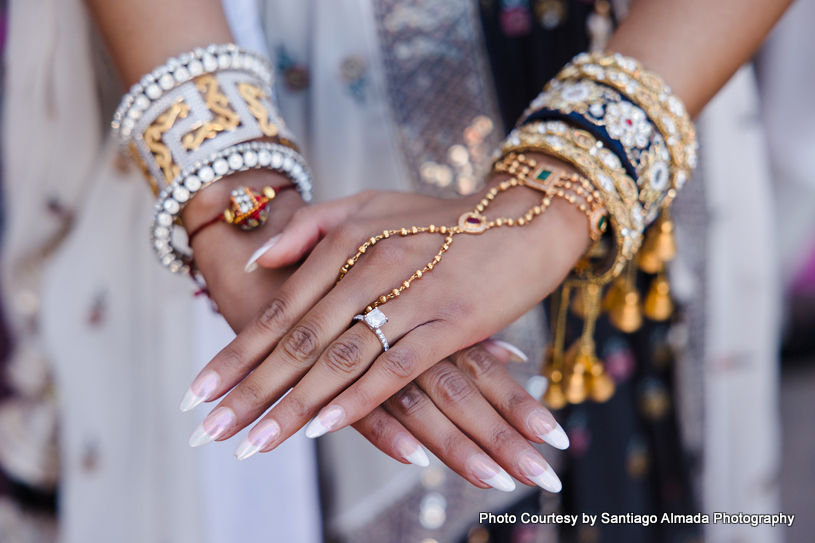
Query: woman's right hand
{"points": [[467, 410]]}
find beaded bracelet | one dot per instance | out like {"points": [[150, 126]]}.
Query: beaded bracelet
{"points": [[583, 151], [241, 157]]}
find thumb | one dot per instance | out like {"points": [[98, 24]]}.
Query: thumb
{"points": [[307, 227]]}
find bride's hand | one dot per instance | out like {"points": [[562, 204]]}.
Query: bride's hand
{"points": [[484, 284]]}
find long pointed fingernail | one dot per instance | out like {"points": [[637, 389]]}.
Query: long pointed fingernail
{"points": [[410, 450], [200, 390], [513, 352], [325, 421], [216, 423], [252, 265], [490, 473], [535, 468], [544, 425], [257, 439]]}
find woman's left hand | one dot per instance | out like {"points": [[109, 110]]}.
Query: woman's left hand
{"points": [[482, 284]]}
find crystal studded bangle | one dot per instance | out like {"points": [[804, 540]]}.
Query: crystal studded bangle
{"points": [[241, 157], [197, 105], [179, 70]]}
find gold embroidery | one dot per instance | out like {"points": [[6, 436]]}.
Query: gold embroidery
{"points": [[152, 138], [253, 96], [218, 104]]}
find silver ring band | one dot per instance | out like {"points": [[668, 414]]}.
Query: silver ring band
{"points": [[375, 319]]}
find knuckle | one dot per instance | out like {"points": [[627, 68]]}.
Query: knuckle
{"points": [[346, 235], [451, 386], [250, 394], [396, 255], [455, 310], [378, 426], [302, 343], [476, 361], [344, 356], [400, 362], [299, 407], [515, 400], [503, 438], [408, 400], [233, 356], [272, 317]]}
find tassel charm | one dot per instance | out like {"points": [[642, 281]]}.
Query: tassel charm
{"points": [[658, 303]]}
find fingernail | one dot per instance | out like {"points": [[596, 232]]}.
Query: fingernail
{"points": [[515, 354], [544, 425], [490, 473], [257, 439], [325, 421], [200, 390], [535, 468], [410, 450], [252, 264], [216, 423]]}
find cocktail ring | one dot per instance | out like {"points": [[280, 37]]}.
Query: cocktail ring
{"points": [[375, 319]]}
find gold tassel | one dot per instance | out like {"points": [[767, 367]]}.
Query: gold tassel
{"points": [[553, 362], [601, 386], [658, 303], [659, 246], [575, 387], [578, 305], [626, 316]]}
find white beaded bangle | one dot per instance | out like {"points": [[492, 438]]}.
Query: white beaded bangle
{"points": [[238, 158], [179, 70]]}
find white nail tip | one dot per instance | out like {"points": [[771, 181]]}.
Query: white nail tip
{"points": [[517, 354], [557, 438], [190, 401], [418, 458], [251, 265], [246, 450], [502, 482], [315, 429], [548, 480], [200, 437]]}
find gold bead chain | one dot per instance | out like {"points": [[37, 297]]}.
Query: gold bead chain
{"points": [[473, 222]]}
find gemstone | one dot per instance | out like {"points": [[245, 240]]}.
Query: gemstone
{"points": [[220, 166], [206, 174], [161, 232], [153, 92], [659, 176], [210, 63], [605, 182], [544, 175], [141, 102], [277, 161], [182, 74], [181, 194], [196, 68], [235, 161], [375, 318], [578, 92], [164, 219], [166, 82], [288, 163], [224, 61], [264, 157], [172, 206], [250, 158], [192, 183]]}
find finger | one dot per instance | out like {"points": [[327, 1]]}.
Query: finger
{"points": [[308, 285], [509, 398], [308, 226], [391, 437], [391, 371], [460, 401], [413, 408]]}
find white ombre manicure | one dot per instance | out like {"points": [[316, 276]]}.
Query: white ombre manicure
{"points": [[544, 425], [325, 421], [515, 354], [535, 468], [258, 439], [200, 390], [490, 473], [252, 264], [216, 423], [410, 450]]}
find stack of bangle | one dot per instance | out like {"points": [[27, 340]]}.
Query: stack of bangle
{"points": [[197, 119], [621, 126]]}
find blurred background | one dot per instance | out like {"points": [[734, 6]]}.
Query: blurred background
{"points": [[28, 505]]}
